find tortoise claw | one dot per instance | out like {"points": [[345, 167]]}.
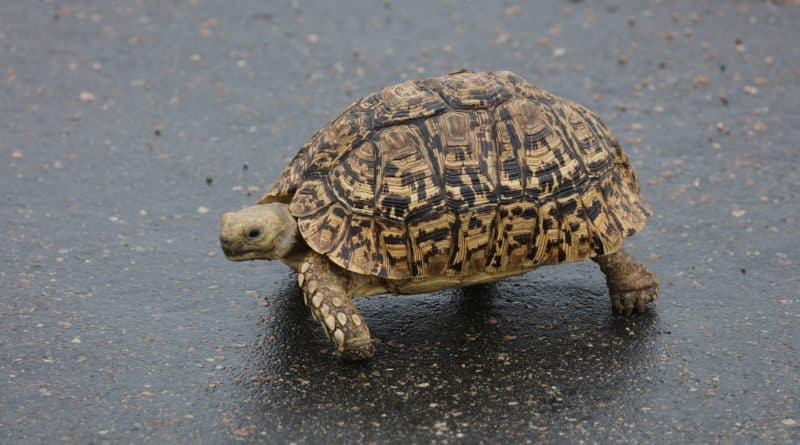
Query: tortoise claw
{"points": [[357, 349], [626, 302]]}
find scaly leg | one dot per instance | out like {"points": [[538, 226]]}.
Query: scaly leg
{"points": [[326, 293], [630, 284]]}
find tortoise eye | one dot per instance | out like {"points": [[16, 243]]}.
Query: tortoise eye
{"points": [[253, 234]]}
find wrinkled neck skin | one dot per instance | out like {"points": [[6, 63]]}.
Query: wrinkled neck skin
{"points": [[295, 256]]}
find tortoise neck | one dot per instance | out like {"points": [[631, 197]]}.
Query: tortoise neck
{"points": [[295, 257]]}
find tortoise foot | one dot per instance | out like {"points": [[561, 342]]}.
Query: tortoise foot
{"points": [[630, 284], [626, 302], [357, 349]]}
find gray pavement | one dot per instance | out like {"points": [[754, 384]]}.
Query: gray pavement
{"points": [[129, 126]]}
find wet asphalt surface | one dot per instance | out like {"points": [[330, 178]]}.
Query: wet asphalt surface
{"points": [[128, 127]]}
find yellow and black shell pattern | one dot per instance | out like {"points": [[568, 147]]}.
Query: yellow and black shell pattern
{"points": [[458, 175]]}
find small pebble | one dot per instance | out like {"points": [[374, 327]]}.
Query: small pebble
{"points": [[502, 38], [87, 97], [700, 80], [241, 432]]}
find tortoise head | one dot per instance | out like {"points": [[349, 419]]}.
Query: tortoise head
{"points": [[260, 232]]}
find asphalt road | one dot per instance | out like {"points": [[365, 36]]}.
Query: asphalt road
{"points": [[128, 127]]}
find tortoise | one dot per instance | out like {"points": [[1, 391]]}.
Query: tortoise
{"points": [[446, 182]]}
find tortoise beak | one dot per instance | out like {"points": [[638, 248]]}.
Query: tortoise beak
{"points": [[226, 250], [229, 238]]}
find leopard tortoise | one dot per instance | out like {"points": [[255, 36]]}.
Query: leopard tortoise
{"points": [[446, 182]]}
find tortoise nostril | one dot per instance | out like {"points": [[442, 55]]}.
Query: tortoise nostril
{"points": [[253, 233]]}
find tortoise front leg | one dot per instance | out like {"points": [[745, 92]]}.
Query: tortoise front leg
{"points": [[630, 284], [325, 293]]}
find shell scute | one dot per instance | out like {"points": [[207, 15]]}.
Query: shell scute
{"points": [[403, 102], [472, 90], [408, 181]]}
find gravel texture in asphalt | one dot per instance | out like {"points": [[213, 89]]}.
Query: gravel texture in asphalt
{"points": [[128, 127]]}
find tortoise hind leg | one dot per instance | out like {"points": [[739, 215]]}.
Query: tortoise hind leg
{"points": [[325, 291], [630, 284]]}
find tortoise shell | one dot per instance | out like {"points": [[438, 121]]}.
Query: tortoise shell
{"points": [[458, 175]]}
